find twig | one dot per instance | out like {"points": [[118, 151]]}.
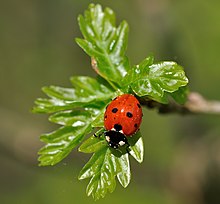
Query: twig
{"points": [[194, 105], [198, 104]]}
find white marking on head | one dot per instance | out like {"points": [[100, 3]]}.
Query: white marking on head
{"points": [[121, 143], [121, 131], [107, 138]]}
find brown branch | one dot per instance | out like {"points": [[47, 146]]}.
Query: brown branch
{"points": [[194, 105]]}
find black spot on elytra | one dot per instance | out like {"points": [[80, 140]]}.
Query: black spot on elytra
{"points": [[105, 116], [135, 125], [114, 110], [129, 114], [138, 104], [118, 127]]}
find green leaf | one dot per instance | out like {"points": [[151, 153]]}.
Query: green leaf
{"points": [[105, 42], [101, 167], [99, 121], [44, 105], [86, 91], [60, 143], [90, 96], [180, 96], [124, 173], [137, 147], [67, 94], [137, 72], [169, 75], [92, 144], [100, 184], [105, 164], [94, 165], [89, 89], [153, 80], [74, 118]]}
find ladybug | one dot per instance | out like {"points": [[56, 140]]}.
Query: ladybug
{"points": [[122, 119]]}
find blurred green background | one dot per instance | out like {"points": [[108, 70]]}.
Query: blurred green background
{"points": [[182, 154]]}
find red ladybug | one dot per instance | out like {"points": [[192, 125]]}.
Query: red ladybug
{"points": [[122, 118]]}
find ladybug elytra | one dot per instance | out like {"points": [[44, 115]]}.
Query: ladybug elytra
{"points": [[122, 119]]}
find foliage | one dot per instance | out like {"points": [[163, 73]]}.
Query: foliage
{"points": [[80, 109]]}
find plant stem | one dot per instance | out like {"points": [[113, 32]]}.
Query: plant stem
{"points": [[196, 104]]}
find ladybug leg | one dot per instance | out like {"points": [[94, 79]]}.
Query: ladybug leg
{"points": [[127, 145], [99, 133], [95, 135], [128, 149]]}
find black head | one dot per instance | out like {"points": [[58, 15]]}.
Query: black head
{"points": [[115, 139]]}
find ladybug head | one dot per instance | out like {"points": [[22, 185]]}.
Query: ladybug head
{"points": [[115, 139]]}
